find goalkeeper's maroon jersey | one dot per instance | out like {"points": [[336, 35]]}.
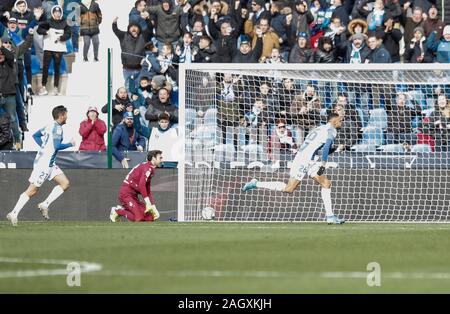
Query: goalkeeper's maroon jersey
{"points": [[139, 180]]}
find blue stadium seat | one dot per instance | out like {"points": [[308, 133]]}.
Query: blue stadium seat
{"points": [[224, 152], [378, 118], [35, 65], [392, 148], [373, 136], [69, 46], [209, 136], [253, 148], [190, 116], [364, 148], [62, 68], [211, 117], [421, 148], [174, 98]]}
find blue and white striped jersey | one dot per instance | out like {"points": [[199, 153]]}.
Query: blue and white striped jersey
{"points": [[50, 140]]}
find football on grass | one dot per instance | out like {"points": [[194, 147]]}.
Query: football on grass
{"points": [[208, 213]]}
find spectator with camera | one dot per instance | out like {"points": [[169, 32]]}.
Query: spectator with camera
{"points": [[120, 104]]}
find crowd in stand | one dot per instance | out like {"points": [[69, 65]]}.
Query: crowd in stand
{"points": [[286, 111], [35, 35], [161, 34], [294, 31]]}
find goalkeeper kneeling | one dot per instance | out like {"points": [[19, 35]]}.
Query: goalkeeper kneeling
{"points": [[138, 181]]}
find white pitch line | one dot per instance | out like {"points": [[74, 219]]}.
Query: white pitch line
{"points": [[85, 267], [271, 274]]}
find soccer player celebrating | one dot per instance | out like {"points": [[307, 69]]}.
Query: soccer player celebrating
{"points": [[49, 140], [320, 137], [138, 181]]}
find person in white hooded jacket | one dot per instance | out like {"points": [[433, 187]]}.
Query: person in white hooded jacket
{"points": [[56, 32]]}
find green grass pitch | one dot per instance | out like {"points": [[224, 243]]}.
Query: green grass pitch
{"points": [[216, 257]]}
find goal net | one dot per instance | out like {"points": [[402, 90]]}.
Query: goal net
{"points": [[244, 122]]}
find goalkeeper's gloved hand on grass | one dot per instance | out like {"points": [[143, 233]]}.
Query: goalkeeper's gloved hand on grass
{"points": [[151, 209]]}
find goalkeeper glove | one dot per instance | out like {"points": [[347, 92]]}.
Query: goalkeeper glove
{"points": [[151, 209], [321, 170]]}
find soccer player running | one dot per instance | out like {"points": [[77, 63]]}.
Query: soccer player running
{"points": [[320, 137], [138, 181], [49, 140]]}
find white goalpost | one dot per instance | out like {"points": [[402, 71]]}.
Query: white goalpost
{"points": [[247, 121]]}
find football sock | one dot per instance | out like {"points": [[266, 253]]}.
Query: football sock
{"points": [[326, 197], [56, 192], [275, 186], [23, 199]]}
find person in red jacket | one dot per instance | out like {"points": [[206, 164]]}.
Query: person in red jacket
{"points": [[138, 181], [92, 130]]}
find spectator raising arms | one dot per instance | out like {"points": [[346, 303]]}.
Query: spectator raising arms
{"points": [[132, 43], [92, 131]]}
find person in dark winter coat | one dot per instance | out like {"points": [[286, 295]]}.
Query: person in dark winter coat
{"points": [[410, 23], [259, 11], [400, 118], [120, 105], [300, 53], [150, 65], [6, 135], [416, 50], [340, 12], [132, 44], [301, 18], [326, 52], [391, 39], [92, 130], [56, 32], [433, 23], [167, 22], [126, 138], [139, 15], [225, 36], [278, 23], [159, 106], [91, 18], [440, 48], [206, 52], [25, 17], [8, 77], [378, 53], [246, 54]]}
